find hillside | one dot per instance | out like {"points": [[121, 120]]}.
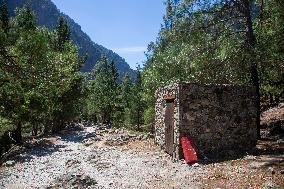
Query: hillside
{"points": [[47, 15]]}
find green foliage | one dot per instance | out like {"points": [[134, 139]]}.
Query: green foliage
{"points": [[25, 18], [137, 103], [4, 17], [126, 92], [6, 125], [104, 91], [192, 51], [124, 101], [270, 49], [62, 33], [111, 102], [39, 85], [149, 117], [210, 42]]}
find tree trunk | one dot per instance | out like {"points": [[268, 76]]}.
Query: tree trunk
{"points": [[277, 100], [46, 129], [138, 120], [271, 101], [35, 130], [17, 135], [255, 81], [56, 126], [250, 42]]}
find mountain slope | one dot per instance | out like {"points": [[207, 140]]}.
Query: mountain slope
{"points": [[47, 15]]}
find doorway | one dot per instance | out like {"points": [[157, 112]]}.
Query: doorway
{"points": [[169, 127]]}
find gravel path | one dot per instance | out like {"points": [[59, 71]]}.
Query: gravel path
{"points": [[96, 157], [85, 159]]}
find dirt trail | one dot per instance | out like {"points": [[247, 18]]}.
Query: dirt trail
{"points": [[83, 159], [102, 158]]}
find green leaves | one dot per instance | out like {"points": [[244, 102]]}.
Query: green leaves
{"points": [[104, 90], [38, 79], [211, 42], [25, 19], [4, 17], [270, 53], [62, 33]]}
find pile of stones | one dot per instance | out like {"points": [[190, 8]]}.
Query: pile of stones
{"points": [[75, 181]]}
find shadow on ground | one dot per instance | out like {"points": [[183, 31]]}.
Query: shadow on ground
{"points": [[268, 147], [73, 136], [34, 148], [43, 148]]}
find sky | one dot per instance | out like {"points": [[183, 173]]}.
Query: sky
{"points": [[124, 26]]}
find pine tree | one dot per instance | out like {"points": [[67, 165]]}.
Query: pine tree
{"points": [[25, 19], [126, 91], [39, 85], [170, 14], [4, 17], [26, 26], [105, 90], [63, 33], [137, 103], [126, 98], [113, 80]]}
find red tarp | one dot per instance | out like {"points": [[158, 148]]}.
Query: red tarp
{"points": [[189, 151]]}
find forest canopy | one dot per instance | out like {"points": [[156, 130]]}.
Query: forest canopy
{"points": [[220, 42]]}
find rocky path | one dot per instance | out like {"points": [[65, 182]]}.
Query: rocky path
{"points": [[96, 157]]}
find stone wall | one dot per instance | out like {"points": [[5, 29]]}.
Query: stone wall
{"points": [[221, 119]]}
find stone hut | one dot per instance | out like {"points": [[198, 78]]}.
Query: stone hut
{"points": [[220, 119]]}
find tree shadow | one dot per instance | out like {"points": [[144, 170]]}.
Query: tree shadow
{"points": [[271, 153], [35, 150], [39, 147], [78, 137], [269, 161], [265, 147]]}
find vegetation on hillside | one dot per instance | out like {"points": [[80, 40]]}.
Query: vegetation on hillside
{"points": [[47, 15]]}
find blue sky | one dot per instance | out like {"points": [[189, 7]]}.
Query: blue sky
{"points": [[124, 26]]}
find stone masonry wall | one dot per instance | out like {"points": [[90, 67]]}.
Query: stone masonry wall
{"points": [[221, 119]]}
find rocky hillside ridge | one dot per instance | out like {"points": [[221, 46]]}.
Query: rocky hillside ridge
{"points": [[47, 15]]}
